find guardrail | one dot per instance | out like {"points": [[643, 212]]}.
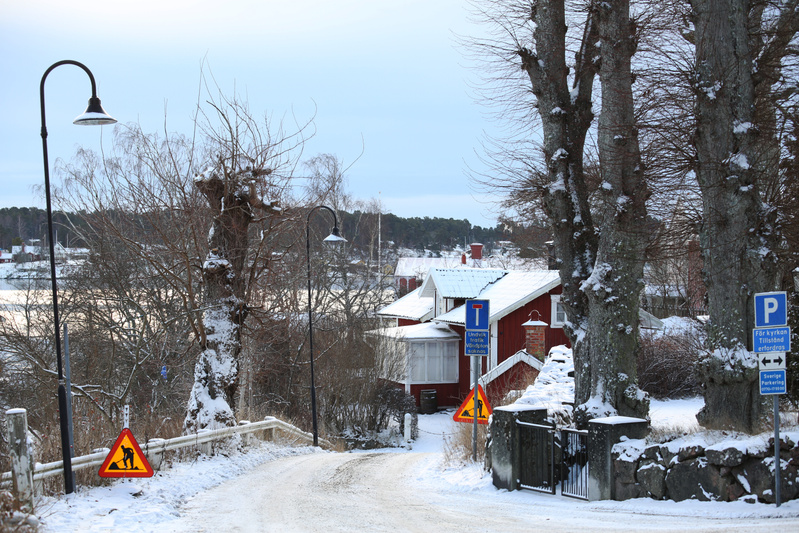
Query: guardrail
{"points": [[155, 448]]}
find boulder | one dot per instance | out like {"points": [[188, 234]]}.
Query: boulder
{"points": [[696, 479], [725, 457], [652, 477]]}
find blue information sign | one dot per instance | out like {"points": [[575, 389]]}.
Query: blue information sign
{"points": [[477, 315], [771, 340], [476, 343], [773, 382], [771, 309]]}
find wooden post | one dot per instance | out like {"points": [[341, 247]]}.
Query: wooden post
{"points": [[21, 460]]}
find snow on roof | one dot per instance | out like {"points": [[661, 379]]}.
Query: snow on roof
{"points": [[519, 357], [426, 331], [411, 306], [459, 283], [408, 267], [508, 293]]}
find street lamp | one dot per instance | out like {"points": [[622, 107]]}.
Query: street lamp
{"points": [[94, 115], [334, 237]]}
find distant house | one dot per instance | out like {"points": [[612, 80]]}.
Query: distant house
{"points": [[525, 320], [27, 251], [411, 271], [6, 257], [428, 327]]}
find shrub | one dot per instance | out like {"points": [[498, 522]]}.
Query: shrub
{"points": [[666, 364]]}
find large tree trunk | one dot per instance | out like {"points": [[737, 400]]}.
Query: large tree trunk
{"points": [[565, 123], [231, 195], [600, 273], [615, 285], [734, 233]]}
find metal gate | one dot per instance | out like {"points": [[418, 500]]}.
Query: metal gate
{"points": [[549, 456], [537, 457], [574, 463]]}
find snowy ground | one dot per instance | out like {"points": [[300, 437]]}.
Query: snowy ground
{"points": [[304, 489]]}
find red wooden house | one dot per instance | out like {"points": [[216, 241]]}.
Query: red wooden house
{"points": [[525, 321]]}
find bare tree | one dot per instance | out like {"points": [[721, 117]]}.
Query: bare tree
{"points": [[599, 251], [202, 217]]}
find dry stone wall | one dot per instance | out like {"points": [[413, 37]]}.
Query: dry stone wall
{"points": [[725, 471]]}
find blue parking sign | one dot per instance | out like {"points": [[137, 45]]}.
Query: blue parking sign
{"points": [[771, 309]]}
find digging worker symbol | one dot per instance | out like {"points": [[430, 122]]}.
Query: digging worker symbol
{"points": [[479, 413], [127, 456]]}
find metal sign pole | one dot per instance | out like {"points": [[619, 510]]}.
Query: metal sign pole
{"points": [[777, 465], [476, 364]]}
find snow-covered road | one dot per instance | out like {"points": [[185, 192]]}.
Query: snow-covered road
{"points": [[395, 492], [273, 487]]}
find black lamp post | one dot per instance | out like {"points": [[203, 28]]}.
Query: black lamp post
{"points": [[94, 115], [334, 237]]}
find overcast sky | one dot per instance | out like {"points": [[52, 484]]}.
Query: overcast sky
{"points": [[384, 77]]}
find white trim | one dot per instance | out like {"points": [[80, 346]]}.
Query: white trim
{"points": [[507, 364], [553, 321]]}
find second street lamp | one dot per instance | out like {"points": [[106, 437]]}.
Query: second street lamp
{"points": [[334, 237], [94, 115]]}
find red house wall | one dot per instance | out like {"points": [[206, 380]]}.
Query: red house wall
{"points": [[511, 333], [511, 338]]}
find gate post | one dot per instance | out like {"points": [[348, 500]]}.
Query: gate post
{"points": [[21, 460], [603, 434], [504, 447]]}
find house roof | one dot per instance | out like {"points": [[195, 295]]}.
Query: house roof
{"points": [[519, 357], [412, 306], [508, 293], [426, 331], [409, 267], [459, 282]]}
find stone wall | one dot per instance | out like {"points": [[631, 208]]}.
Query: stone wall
{"points": [[725, 471]]}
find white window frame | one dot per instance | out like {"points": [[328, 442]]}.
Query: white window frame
{"points": [[441, 360], [554, 321]]}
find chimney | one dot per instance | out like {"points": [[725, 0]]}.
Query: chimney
{"points": [[477, 254], [535, 338]]}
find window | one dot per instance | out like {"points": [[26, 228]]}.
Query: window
{"points": [[434, 362], [558, 312]]}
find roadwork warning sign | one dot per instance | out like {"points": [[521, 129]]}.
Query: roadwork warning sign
{"points": [[466, 411], [126, 459]]}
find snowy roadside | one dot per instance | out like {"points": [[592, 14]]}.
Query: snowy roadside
{"points": [[139, 505], [152, 504]]}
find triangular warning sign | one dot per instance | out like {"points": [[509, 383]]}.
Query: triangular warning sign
{"points": [[465, 412], [126, 459]]}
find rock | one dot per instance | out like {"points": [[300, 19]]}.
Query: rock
{"points": [[726, 457], [760, 477], [652, 477], [696, 479], [628, 491], [691, 452], [653, 453], [624, 471], [667, 455]]}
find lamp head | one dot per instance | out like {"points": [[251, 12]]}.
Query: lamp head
{"points": [[94, 115], [335, 237]]}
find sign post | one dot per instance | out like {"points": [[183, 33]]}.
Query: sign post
{"points": [[476, 344], [125, 458], [771, 340]]}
